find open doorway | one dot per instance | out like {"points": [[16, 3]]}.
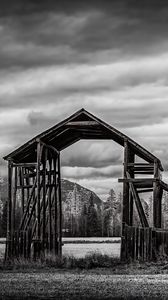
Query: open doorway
{"points": [[92, 197]]}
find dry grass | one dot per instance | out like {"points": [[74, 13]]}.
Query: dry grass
{"points": [[94, 260], [97, 262], [96, 276], [86, 284]]}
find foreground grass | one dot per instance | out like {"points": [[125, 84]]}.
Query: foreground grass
{"points": [[94, 277], [75, 284], [95, 261]]}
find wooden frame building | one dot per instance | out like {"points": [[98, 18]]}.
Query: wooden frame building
{"points": [[34, 173]]}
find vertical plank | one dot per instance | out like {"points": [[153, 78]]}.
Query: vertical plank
{"points": [[150, 244], [125, 207], [9, 210], [44, 200], [59, 209], [14, 200], [131, 159], [22, 190], [157, 198], [123, 243], [38, 191], [49, 206], [55, 207], [137, 243]]}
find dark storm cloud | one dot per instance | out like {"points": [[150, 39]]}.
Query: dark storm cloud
{"points": [[47, 32]]}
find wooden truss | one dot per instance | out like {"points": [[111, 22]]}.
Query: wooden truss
{"points": [[40, 187], [34, 172]]}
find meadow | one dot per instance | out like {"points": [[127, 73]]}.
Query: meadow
{"points": [[94, 271], [79, 247]]}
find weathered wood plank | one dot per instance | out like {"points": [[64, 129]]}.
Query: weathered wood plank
{"points": [[139, 206]]}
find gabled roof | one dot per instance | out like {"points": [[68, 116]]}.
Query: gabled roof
{"points": [[80, 125]]}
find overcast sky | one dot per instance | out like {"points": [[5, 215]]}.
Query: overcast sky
{"points": [[109, 57]]}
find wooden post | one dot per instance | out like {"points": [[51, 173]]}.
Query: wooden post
{"points": [[22, 184], [9, 211], [157, 198], [49, 207], [27, 183], [59, 209], [131, 159], [38, 194], [127, 209], [55, 207], [44, 202], [14, 200]]}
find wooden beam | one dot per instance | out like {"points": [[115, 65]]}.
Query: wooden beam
{"points": [[157, 197], [164, 185], [138, 180], [50, 147], [138, 203], [144, 172], [25, 165], [14, 200], [59, 210], [9, 210], [140, 165], [127, 198], [132, 174], [55, 207], [49, 208], [44, 201], [28, 205], [82, 123], [143, 184], [39, 155], [21, 186], [144, 191]]}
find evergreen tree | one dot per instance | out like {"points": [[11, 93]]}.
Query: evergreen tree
{"points": [[4, 219], [165, 210], [83, 221], [1, 213], [110, 210], [92, 219]]}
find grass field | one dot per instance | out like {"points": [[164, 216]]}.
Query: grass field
{"points": [[61, 284], [80, 280], [79, 247]]}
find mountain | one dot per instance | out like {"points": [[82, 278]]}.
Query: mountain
{"points": [[3, 188], [75, 196]]}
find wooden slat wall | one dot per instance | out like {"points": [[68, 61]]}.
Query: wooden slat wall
{"points": [[144, 243]]}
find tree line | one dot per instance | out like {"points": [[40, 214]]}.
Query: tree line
{"points": [[95, 220]]}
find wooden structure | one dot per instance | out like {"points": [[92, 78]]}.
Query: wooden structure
{"points": [[34, 173]]}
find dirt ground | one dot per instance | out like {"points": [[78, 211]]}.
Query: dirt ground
{"points": [[87, 284]]}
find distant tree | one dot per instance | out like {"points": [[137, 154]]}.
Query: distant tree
{"points": [[1, 213], [165, 210], [99, 221], [92, 218], [150, 204], [110, 210], [4, 219], [83, 222]]}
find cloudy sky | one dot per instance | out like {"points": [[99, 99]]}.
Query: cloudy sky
{"points": [[110, 57]]}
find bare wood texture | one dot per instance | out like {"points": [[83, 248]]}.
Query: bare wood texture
{"points": [[49, 208], [127, 209], [59, 210], [139, 206], [27, 151], [9, 210], [157, 197]]}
